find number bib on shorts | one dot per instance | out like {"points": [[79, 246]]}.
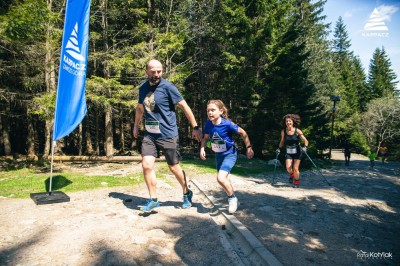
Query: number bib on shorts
{"points": [[218, 145], [291, 149], [153, 127]]}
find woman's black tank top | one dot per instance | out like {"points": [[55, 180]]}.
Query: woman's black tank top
{"points": [[291, 140]]}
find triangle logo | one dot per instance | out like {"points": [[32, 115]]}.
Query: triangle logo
{"points": [[375, 22], [72, 47], [216, 136]]}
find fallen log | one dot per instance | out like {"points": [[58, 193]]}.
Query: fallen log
{"points": [[100, 158], [65, 158]]}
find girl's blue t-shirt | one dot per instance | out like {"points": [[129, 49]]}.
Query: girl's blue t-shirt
{"points": [[222, 134], [159, 107]]}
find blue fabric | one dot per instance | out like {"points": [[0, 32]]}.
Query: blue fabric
{"points": [[223, 131], [159, 105], [225, 162], [71, 99]]}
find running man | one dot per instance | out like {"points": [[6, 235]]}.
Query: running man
{"points": [[157, 100]]}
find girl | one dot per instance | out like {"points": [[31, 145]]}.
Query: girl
{"points": [[290, 137], [220, 129]]}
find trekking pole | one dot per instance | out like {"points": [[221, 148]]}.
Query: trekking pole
{"points": [[276, 162], [316, 167]]}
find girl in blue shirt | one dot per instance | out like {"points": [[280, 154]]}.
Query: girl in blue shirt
{"points": [[220, 130]]}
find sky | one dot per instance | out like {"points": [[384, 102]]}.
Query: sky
{"points": [[368, 28]]}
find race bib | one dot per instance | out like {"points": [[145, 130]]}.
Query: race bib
{"points": [[153, 127], [218, 145], [291, 149]]}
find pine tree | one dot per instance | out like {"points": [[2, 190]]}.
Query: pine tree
{"points": [[350, 86], [381, 78]]}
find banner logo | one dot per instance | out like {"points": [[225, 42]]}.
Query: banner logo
{"points": [[375, 22], [376, 26], [72, 46]]}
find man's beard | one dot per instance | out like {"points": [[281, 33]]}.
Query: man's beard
{"points": [[154, 80]]}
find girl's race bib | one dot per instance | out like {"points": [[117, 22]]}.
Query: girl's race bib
{"points": [[218, 145]]}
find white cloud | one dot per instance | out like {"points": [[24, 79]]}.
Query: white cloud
{"points": [[348, 14], [386, 12]]}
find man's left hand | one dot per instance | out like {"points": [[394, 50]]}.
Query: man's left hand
{"points": [[197, 134]]}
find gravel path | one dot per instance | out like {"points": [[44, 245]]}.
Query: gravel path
{"points": [[318, 224], [315, 224]]}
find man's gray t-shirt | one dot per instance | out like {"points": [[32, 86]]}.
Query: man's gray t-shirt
{"points": [[159, 107]]}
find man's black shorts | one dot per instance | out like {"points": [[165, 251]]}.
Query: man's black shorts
{"points": [[152, 146]]}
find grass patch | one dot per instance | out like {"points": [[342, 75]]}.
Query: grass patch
{"points": [[18, 180], [19, 183]]}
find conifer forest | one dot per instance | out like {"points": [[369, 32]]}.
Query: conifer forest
{"points": [[262, 58]]}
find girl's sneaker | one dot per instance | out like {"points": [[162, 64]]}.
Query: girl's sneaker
{"points": [[233, 204], [296, 183]]}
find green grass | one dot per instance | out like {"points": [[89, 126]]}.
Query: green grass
{"points": [[19, 183], [19, 180]]}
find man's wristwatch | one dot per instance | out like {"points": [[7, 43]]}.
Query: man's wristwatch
{"points": [[196, 128]]}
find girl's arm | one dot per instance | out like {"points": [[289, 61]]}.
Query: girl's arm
{"points": [[245, 137], [203, 145]]}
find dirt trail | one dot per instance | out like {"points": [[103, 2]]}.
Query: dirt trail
{"points": [[318, 224], [315, 224]]}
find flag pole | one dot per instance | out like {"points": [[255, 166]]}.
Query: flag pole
{"points": [[53, 143], [50, 196]]}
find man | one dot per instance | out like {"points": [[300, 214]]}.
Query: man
{"points": [[157, 100], [383, 151], [347, 153]]}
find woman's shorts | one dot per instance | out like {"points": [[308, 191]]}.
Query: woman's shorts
{"points": [[226, 162], [295, 156], [152, 146]]}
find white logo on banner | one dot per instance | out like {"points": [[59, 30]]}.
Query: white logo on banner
{"points": [[72, 48], [72, 45]]}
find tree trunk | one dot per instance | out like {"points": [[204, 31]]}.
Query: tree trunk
{"points": [[150, 21], [89, 146], [80, 137], [108, 133], [5, 136], [50, 80], [97, 140], [122, 134], [30, 140], [108, 146]]}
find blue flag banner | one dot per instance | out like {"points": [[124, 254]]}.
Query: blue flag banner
{"points": [[71, 99]]}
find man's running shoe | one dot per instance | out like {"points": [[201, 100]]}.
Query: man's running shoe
{"points": [[233, 204], [291, 178], [150, 205], [296, 183], [187, 200]]}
